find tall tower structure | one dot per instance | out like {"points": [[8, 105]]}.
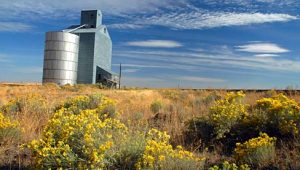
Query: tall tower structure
{"points": [[94, 50]]}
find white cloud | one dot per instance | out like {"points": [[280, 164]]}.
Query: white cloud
{"points": [[194, 61], [262, 48], [125, 26], [136, 14], [137, 65], [53, 8], [206, 19], [266, 55], [14, 27], [200, 79], [130, 70], [253, 3], [155, 44]]}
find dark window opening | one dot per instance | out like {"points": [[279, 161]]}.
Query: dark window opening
{"points": [[99, 77]]}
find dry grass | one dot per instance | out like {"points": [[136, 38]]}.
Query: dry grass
{"points": [[134, 105], [178, 106]]}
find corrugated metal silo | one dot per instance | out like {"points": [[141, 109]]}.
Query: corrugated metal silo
{"points": [[61, 58]]}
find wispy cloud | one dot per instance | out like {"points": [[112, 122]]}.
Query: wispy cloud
{"points": [[138, 14], [130, 70], [144, 65], [54, 8], [181, 14], [14, 27], [194, 61], [4, 58], [200, 79], [262, 48], [155, 43], [255, 4], [266, 55], [126, 26], [206, 19]]}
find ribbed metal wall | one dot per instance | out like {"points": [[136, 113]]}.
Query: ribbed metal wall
{"points": [[61, 58]]}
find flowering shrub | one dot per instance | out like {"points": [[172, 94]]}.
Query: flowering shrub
{"points": [[6, 123], [256, 151], [32, 102], [228, 166], [76, 140], [104, 106], [282, 113], [156, 106], [126, 153], [227, 112], [8, 128], [82, 135], [159, 154]]}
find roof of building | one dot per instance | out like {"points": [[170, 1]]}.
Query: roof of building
{"points": [[108, 71], [102, 29]]}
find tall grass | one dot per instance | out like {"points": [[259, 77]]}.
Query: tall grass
{"points": [[139, 109]]}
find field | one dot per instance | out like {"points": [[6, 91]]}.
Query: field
{"points": [[88, 127]]}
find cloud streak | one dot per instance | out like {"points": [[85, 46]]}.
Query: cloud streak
{"points": [[138, 14], [194, 61], [262, 48], [266, 55], [200, 79], [14, 27], [206, 19], [155, 44], [54, 8]]}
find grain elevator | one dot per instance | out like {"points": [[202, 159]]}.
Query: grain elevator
{"points": [[80, 54]]}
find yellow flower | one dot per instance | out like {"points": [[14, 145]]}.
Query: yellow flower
{"points": [[158, 149]]}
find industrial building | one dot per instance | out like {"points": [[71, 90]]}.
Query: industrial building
{"points": [[80, 54]]}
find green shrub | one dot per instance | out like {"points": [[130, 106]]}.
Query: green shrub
{"points": [[173, 163], [230, 166], [156, 106], [258, 151], [280, 114], [211, 98], [104, 106], [8, 129], [159, 154], [78, 138], [125, 154], [226, 113], [78, 141], [33, 102]]}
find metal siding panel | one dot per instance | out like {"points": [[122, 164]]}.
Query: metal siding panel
{"points": [[60, 61], [86, 58]]}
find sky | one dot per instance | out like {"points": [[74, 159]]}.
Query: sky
{"points": [[250, 44]]}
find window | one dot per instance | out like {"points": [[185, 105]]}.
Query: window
{"points": [[99, 77]]}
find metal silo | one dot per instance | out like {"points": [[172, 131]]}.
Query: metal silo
{"points": [[61, 58]]}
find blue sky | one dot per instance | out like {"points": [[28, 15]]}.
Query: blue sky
{"points": [[167, 43]]}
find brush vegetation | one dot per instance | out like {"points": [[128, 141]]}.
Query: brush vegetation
{"points": [[88, 127]]}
